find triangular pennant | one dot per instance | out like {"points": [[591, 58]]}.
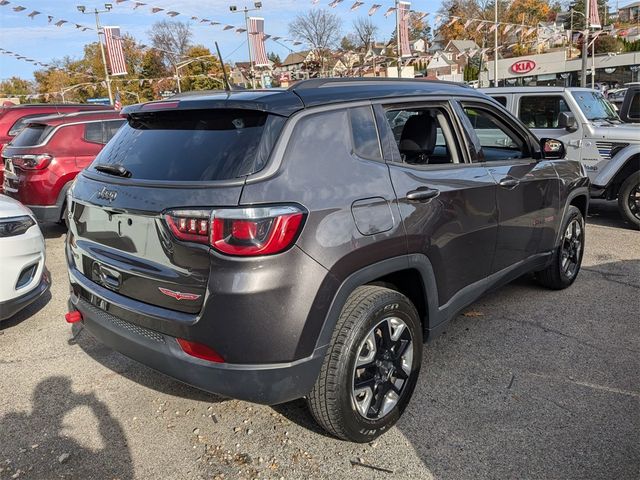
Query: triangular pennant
{"points": [[33, 14], [59, 23], [19, 8], [374, 8]]}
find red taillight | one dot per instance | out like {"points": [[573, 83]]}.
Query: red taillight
{"points": [[190, 225], [239, 231], [199, 350], [32, 162], [73, 317]]}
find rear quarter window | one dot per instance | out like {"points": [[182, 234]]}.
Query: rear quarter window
{"points": [[193, 145], [364, 133], [34, 134]]}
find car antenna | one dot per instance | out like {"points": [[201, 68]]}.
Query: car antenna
{"points": [[227, 85]]}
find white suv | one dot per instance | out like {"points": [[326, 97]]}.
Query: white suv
{"points": [[22, 256], [592, 132]]}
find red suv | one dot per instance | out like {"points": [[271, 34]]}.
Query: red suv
{"points": [[13, 118], [43, 159]]}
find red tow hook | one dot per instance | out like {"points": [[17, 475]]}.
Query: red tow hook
{"points": [[73, 317]]}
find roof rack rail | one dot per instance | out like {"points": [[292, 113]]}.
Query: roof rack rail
{"points": [[342, 81]]}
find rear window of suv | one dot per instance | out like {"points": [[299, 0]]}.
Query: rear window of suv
{"points": [[193, 145], [34, 134]]}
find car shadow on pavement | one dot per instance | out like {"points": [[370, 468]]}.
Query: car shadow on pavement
{"points": [[53, 230], [135, 371], [606, 214], [27, 312], [37, 444]]}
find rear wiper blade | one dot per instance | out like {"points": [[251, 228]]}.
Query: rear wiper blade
{"points": [[117, 170]]}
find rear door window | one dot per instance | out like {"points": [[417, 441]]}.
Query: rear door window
{"points": [[634, 107], [193, 145], [501, 100], [541, 111], [93, 132], [423, 136], [34, 134]]}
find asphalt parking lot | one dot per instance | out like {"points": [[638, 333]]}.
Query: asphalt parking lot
{"points": [[525, 384]]}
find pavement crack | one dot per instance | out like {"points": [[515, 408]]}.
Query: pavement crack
{"points": [[562, 334], [608, 276]]}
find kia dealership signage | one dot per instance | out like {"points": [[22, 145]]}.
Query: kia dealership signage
{"points": [[523, 66]]}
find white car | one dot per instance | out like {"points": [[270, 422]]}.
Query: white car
{"points": [[23, 276]]}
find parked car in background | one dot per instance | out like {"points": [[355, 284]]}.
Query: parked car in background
{"points": [[22, 255], [315, 236], [13, 118], [593, 133], [44, 158]]}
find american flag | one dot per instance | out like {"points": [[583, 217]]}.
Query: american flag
{"points": [[256, 39], [403, 28], [115, 53], [117, 103]]}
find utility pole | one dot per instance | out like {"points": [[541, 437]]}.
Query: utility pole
{"points": [[107, 7], [399, 59], [495, 40], [234, 9], [585, 44]]}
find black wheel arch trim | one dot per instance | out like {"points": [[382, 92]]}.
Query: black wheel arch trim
{"points": [[578, 192]]}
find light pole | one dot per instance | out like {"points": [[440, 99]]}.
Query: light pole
{"points": [[107, 7], [72, 87], [183, 64], [133, 94], [234, 9], [585, 45], [495, 41]]}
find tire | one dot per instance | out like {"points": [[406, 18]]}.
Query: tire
{"points": [[334, 401], [567, 258], [629, 199]]}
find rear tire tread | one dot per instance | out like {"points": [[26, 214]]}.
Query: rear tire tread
{"points": [[323, 399]]}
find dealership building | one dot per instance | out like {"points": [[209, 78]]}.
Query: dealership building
{"points": [[555, 69]]}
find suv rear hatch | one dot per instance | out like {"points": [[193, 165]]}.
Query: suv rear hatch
{"points": [[140, 224]]}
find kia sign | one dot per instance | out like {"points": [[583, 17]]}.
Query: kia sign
{"points": [[523, 66]]}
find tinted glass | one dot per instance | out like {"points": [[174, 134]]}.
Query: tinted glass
{"points": [[541, 112], [21, 122], [32, 135], [594, 106], [634, 108], [93, 132], [497, 141], [365, 135], [193, 145], [111, 128], [501, 100]]}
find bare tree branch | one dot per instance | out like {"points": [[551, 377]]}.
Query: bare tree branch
{"points": [[171, 36], [320, 28], [365, 32]]}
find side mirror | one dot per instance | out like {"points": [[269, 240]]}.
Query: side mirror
{"points": [[552, 149], [567, 121]]}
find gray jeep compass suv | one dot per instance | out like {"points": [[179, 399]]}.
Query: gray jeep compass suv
{"points": [[277, 244]]}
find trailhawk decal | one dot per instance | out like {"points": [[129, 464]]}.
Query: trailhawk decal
{"points": [[179, 295]]}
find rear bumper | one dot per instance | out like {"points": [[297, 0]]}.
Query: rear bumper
{"points": [[46, 214], [267, 384], [10, 307]]}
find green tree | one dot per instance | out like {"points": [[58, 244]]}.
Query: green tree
{"points": [[275, 58], [203, 73], [578, 20]]}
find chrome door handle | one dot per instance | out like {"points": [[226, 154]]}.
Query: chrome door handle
{"points": [[421, 194], [509, 182]]}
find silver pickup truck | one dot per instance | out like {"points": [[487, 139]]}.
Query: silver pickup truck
{"points": [[592, 132]]}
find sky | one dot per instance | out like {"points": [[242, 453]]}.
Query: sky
{"points": [[37, 39]]}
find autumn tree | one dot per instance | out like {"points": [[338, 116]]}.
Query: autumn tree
{"points": [[204, 71], [16, 86]]}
